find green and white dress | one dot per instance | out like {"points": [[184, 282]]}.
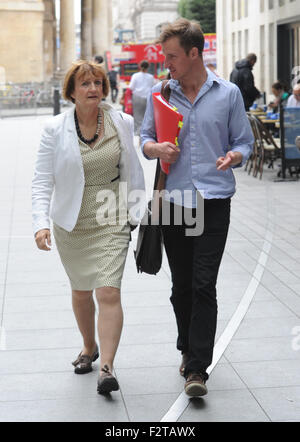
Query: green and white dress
{"points": [[94, 254]]}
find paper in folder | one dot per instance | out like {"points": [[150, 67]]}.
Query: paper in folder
{"points": [[168, 122]]}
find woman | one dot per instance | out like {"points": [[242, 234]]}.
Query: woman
{"points": [[140, 85], [278, 90], [85, 153]]}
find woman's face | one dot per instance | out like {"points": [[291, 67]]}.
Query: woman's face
{"points": [[88, 90], [276, 92]]}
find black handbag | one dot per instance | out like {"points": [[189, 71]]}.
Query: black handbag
{"points": [[149, 250]]}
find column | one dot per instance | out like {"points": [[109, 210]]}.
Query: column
{"points": [[67, 35], [110, 31], [86, 29], [100, 28], [49, 39]]}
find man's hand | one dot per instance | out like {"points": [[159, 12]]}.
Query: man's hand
{"points": [[43, 239], [231, 159], [166, 151]]}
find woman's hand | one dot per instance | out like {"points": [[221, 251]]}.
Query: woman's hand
{"points": [[43, 239]]}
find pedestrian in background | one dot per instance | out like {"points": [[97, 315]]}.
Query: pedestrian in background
{"points": [[140, 85], [294, 99], [215, 137], [83, 152], [114, 80], [243, 77]]}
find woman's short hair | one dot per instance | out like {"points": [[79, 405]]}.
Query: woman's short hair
{"points": [[278, 86], [189, 33], [81, 68]]}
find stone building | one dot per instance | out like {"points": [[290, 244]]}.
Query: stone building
{"points": [[28, 37], [144, 17], [21, 40], [150, 15], [269, 28]]}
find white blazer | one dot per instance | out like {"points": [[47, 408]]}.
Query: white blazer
{"points": [[58, 182]]}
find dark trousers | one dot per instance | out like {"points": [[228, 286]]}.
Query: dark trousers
{"points": [[114, 93], [194, 264]]}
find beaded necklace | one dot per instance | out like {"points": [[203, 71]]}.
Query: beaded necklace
{"points": [[99, 121]]}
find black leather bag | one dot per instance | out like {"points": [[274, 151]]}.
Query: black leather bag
{"points": [[149, 250]]}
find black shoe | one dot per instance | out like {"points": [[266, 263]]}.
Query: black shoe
{"points": [[83, 363], [107, 382]]}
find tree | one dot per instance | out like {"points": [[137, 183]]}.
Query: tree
{"points": [[204, 11]]}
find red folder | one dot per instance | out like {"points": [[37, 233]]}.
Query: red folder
{"points": [[168, 122]]}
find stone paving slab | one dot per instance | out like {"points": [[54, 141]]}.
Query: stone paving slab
{"points": [[257, 377]]}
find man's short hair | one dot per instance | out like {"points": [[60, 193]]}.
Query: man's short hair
{"points": [[99, 59], [189, 33], [252, 57], [144, 64]]}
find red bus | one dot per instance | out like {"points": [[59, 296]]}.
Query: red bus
{"points": [[153, 54], [137, 53]]}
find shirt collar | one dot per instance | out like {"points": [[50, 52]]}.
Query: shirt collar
{"points": [[211, 78]]}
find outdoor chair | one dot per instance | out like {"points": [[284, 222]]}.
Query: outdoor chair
{"points": [[270, 145], [256, 159]]}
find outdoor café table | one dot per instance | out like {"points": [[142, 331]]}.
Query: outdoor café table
{"points": [[269, 121], [257, 112]]}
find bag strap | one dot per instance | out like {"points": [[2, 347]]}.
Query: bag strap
{"points": [[165, 90], [160, 176]]}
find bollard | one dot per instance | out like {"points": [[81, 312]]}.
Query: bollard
{"points": [[56, 99]]}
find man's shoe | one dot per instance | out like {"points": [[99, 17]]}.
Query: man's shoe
{"points": [[83, 363], [183, 363], [195, 385], [107, 382]]}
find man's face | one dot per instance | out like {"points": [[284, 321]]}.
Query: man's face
{"points": [[296, 93], [176, 59]]}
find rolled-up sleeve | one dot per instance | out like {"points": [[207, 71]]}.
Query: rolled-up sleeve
{"points": [[240, 133]]}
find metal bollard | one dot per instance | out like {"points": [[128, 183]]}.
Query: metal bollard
{"points": [[56, 99]]}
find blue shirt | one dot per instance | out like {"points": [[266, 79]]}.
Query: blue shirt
{"points": [[215, 123]]}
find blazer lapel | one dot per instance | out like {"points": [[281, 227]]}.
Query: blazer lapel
{"points": [[72, 140]]}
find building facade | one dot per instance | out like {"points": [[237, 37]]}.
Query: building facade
{"points": [[35, 48], [269, 28], [21, 40], [149, 16]]}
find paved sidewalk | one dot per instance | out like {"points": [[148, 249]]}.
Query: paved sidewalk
{"points": [[257, 377]]}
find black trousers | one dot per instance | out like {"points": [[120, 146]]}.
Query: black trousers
{"points": [[194, 263], [114, 93]]}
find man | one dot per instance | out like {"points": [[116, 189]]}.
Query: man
{"points": [[114, 79], [242, 76], [140, 85], [215, 136], [294, 100]]}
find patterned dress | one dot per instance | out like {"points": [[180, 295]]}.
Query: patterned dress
{"points": [[94, 253]]}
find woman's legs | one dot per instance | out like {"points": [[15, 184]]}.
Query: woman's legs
{"points": [[84, 310], [110, 323]]}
